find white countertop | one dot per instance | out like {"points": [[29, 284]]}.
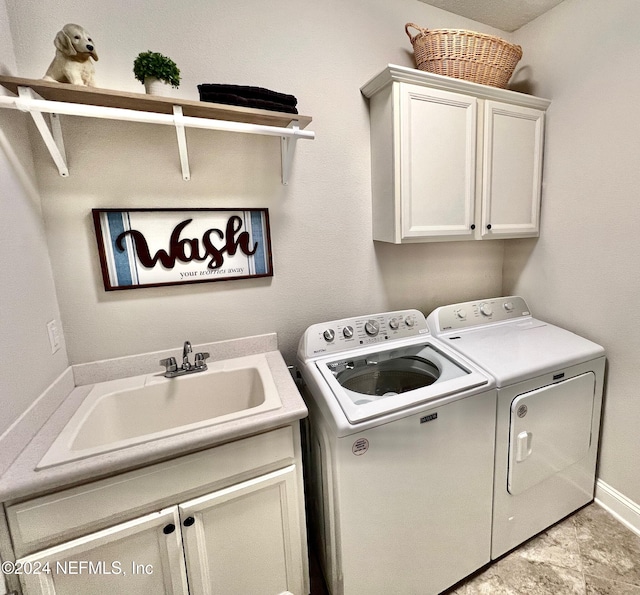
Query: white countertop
{"points": [[22, 481]]}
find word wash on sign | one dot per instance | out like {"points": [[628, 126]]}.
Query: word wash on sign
{"points": [[188, 250]]}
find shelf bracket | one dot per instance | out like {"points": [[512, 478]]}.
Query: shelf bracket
{"points": [[287, 149], [52, 140], [178, 118], [56, 130]]}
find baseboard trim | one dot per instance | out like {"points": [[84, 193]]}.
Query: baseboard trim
{"points": [[623, 509]]}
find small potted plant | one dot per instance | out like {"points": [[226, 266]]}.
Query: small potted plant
{"points": [[155, 70]]}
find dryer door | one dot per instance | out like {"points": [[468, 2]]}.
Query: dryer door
{"points": [[550, 430]]}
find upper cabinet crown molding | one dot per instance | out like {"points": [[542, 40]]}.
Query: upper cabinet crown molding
{"points": [[402, 74], [37, 96], [453, 160]]}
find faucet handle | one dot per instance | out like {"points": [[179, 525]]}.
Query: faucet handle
{"points": [[169, 364], [200, 358]]}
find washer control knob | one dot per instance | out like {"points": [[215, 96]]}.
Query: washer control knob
{"points": [[394, 323], [460, 314], [347, 332], [409, 321], [486, 309], [372, 328], [508, 306], [329, 335]]}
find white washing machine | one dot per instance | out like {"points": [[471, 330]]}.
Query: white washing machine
{"points": [[400, 454], [550, 385]]}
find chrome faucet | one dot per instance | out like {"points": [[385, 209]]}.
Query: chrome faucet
{"points": [[186, 350], [171, 367]]}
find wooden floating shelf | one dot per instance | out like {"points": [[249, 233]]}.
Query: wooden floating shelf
{"points": [[37, 96]]}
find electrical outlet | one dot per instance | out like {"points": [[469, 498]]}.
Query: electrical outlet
{"points": [[54, 335]]}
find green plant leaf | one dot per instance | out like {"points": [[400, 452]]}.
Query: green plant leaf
{"points": [[155, 64]]}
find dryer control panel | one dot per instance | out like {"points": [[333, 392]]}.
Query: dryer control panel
{"points": [[471, 314], [349, 333]]}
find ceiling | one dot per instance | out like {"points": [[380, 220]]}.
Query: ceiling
{"points": [[506, 15]]}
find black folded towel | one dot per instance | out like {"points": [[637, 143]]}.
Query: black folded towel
{"points": [[247, 93], [230, 99]]}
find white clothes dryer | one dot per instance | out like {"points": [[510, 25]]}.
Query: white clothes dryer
{"points": [[400, 449], [550, 384]]}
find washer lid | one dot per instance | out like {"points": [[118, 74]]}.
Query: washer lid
{"points": [[515, 351], [368, 384]]}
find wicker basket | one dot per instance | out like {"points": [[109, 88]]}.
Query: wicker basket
{"points": [[463, 54]]}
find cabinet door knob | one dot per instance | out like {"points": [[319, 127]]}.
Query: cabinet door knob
{"points": [[473, 226], [489, 226], [189, 521], [168, 529]]}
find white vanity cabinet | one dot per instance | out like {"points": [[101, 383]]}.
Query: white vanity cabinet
{"points": [[230, 520], [453, 160], [140, 556], [244, 540]]}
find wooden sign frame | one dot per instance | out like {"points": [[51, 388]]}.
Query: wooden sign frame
{"points": [[155, 247]]}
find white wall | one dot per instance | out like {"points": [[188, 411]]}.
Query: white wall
{"points": [[583, 271], [27, 294], [325, 263], [7, 56]]}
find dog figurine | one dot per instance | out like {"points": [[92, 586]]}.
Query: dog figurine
{"points": [[72, 63]]}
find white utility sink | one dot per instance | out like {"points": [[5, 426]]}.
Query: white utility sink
{"points": [[121, 413]]}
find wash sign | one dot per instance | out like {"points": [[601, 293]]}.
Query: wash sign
{"points": [[154, 247]]}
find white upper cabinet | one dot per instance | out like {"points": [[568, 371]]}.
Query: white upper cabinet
{"points": [[511, 170], [453, 160], [437, 157]]}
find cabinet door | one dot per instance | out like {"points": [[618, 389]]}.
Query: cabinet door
{"points": [[140, 556], [437, 163], [246, 539], [511, 171]]}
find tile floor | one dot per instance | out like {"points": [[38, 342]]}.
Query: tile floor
{"points": [[589, 553]]}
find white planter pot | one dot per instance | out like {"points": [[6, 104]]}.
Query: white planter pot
{"points": [[154, 86]]}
